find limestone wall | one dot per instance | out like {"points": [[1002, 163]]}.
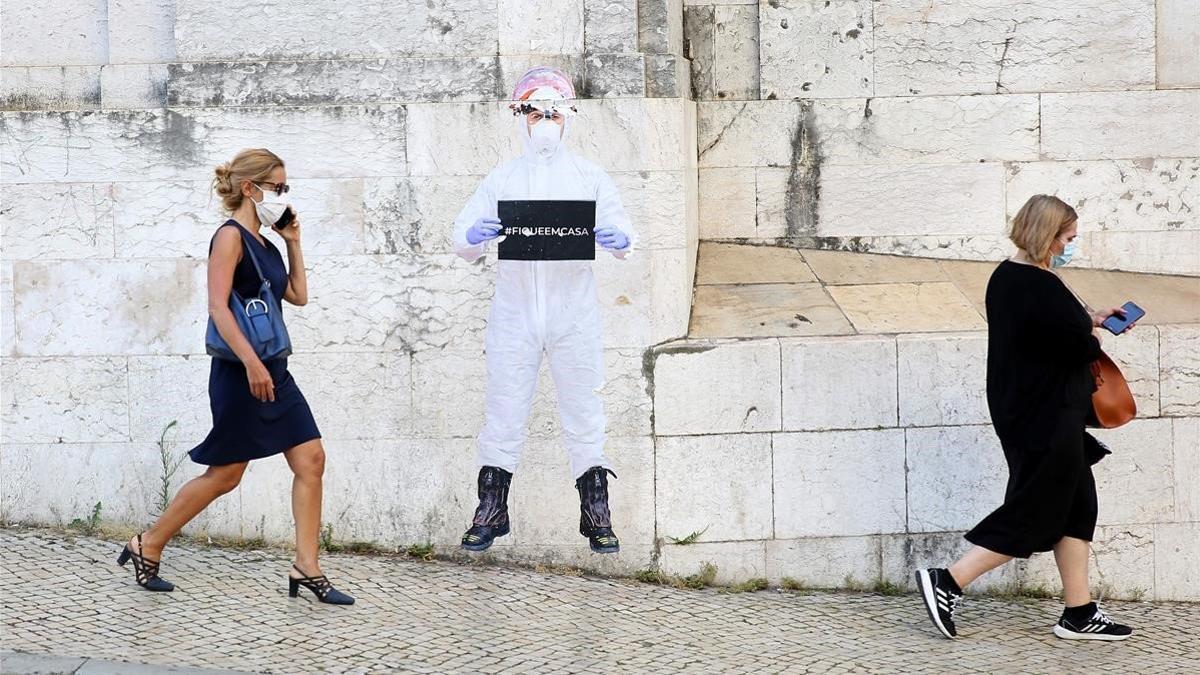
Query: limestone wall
{"points": [[792, 464], [388, 115], [904, 126]]}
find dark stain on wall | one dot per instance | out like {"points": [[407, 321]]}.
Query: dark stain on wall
{"points": [[804, 179]]}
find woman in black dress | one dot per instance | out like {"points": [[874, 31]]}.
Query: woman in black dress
{"points": [[257, 409], [1041, 343]]}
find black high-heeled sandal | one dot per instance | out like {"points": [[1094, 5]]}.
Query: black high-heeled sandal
{"points": [[145, 570], [320, 587]]}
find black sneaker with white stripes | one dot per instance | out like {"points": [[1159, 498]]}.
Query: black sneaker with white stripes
{"points": [[942, 597], [1089, 623]]}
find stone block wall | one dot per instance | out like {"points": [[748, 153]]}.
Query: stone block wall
{"points": [[790, 463], [897, 126], [388, 115]]}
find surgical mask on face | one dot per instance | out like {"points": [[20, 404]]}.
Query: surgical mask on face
{"points": [[271, 208], [1063, 258], [545, 137]]}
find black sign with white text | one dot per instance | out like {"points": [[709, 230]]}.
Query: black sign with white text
{"points": [[547, 230]]}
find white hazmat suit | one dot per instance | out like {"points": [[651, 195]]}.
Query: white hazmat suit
{"points": [[543, 306]]}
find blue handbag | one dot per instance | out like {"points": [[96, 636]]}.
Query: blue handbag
{"points": [[260, 320]]}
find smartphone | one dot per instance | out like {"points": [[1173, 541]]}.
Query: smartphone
{"points": [[286, 219], [1117, 324]]}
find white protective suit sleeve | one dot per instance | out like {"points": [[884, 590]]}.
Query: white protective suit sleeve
{"points": [[481, 204]]}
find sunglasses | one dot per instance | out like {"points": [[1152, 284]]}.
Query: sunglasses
{"points": [[277, 188]]}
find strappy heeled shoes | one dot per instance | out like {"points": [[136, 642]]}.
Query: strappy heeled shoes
{"points": [[320, 587], [145, 570]]}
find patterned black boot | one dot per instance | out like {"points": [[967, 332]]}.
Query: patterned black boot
{"points": [[595, 521], [491, 518]]}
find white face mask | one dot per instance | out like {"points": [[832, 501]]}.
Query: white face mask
{"points": [[271, 208], [545, 137]]}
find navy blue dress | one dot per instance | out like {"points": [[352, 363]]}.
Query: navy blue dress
{"points": [[245, 428]]}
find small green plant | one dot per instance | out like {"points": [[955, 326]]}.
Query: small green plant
{"points": [[169, 466], [885, 587], [851, 584], [750, 586], [89, 525], [792, 585], [690, 539], [702, 579], [327, 542], [650, 576], [1016, 590], [420, 551]]}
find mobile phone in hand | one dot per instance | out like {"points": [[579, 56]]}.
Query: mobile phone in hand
{"points": [[286, 219], [1117, 324]]}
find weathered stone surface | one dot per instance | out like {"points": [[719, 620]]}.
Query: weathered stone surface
{"points": [[141, 31], [813, 470], [540, 26], [1121, 564], [986, 46], [1185, 463], [824, 562], [423, 80], [903, 554], [1178, 43], [645, 299], [179, 218], [956, 476], [1134, 483], [68, 34], [942, 379], [731, 388], [56, 221], [86, 398], [1176, 546], [668, 76], [728, 203], [736, 561], [145, 307], [58, 483], [318, 142], [610, 26], [699, 44], [820, 392], [1119, 125], [660, 26], [734, 264], [366, 303], [1179, 361], [49, 87], [1156, 252], [135, 85], [328, 29], [165, 389], [922, 130], [1123, 195], [766, 310], [658, 204], [449, 395], [895, 200], [722, 43], [457, 139], [839, 268], [979, 247], [1136, 353], [715, 485], [413, 216], [334, 385], [1166, 299], [816, 49], [635, 134], [907, 308], [614, 76], [8, 329]]}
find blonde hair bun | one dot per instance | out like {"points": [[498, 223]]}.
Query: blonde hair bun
{"points": [[254, 165]]}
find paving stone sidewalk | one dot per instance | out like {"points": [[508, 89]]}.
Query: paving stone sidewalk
{"points": [[65, 597]]}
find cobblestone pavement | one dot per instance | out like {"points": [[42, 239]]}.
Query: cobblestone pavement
{"points": [[65, 596]]}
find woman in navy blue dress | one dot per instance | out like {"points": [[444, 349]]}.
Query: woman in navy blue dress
{"points": [[257, 409]]}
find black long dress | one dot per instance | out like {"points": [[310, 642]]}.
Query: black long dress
{"points": [[1039, 388], [245, 428]]}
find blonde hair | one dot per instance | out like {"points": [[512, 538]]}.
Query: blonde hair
{"points": [[254, 164], [1039, 222]]}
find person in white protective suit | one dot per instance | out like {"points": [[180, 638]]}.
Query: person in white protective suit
{"points": [[543, 307]]}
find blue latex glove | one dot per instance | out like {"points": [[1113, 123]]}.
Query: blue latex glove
{"points": [[611, 238], [484, 229]]}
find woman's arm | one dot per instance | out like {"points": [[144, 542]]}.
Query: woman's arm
{"points": [[222, 260]]}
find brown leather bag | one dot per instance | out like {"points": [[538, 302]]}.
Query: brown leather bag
{"points": [[1112, 402]]}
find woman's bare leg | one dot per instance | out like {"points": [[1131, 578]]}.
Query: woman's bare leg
{"points": [[307, 461], [1071, 554], [192, 498], [975, 563]]}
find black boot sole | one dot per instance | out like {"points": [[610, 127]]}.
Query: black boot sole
{"points": [[483, 545], [604, 549]]}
